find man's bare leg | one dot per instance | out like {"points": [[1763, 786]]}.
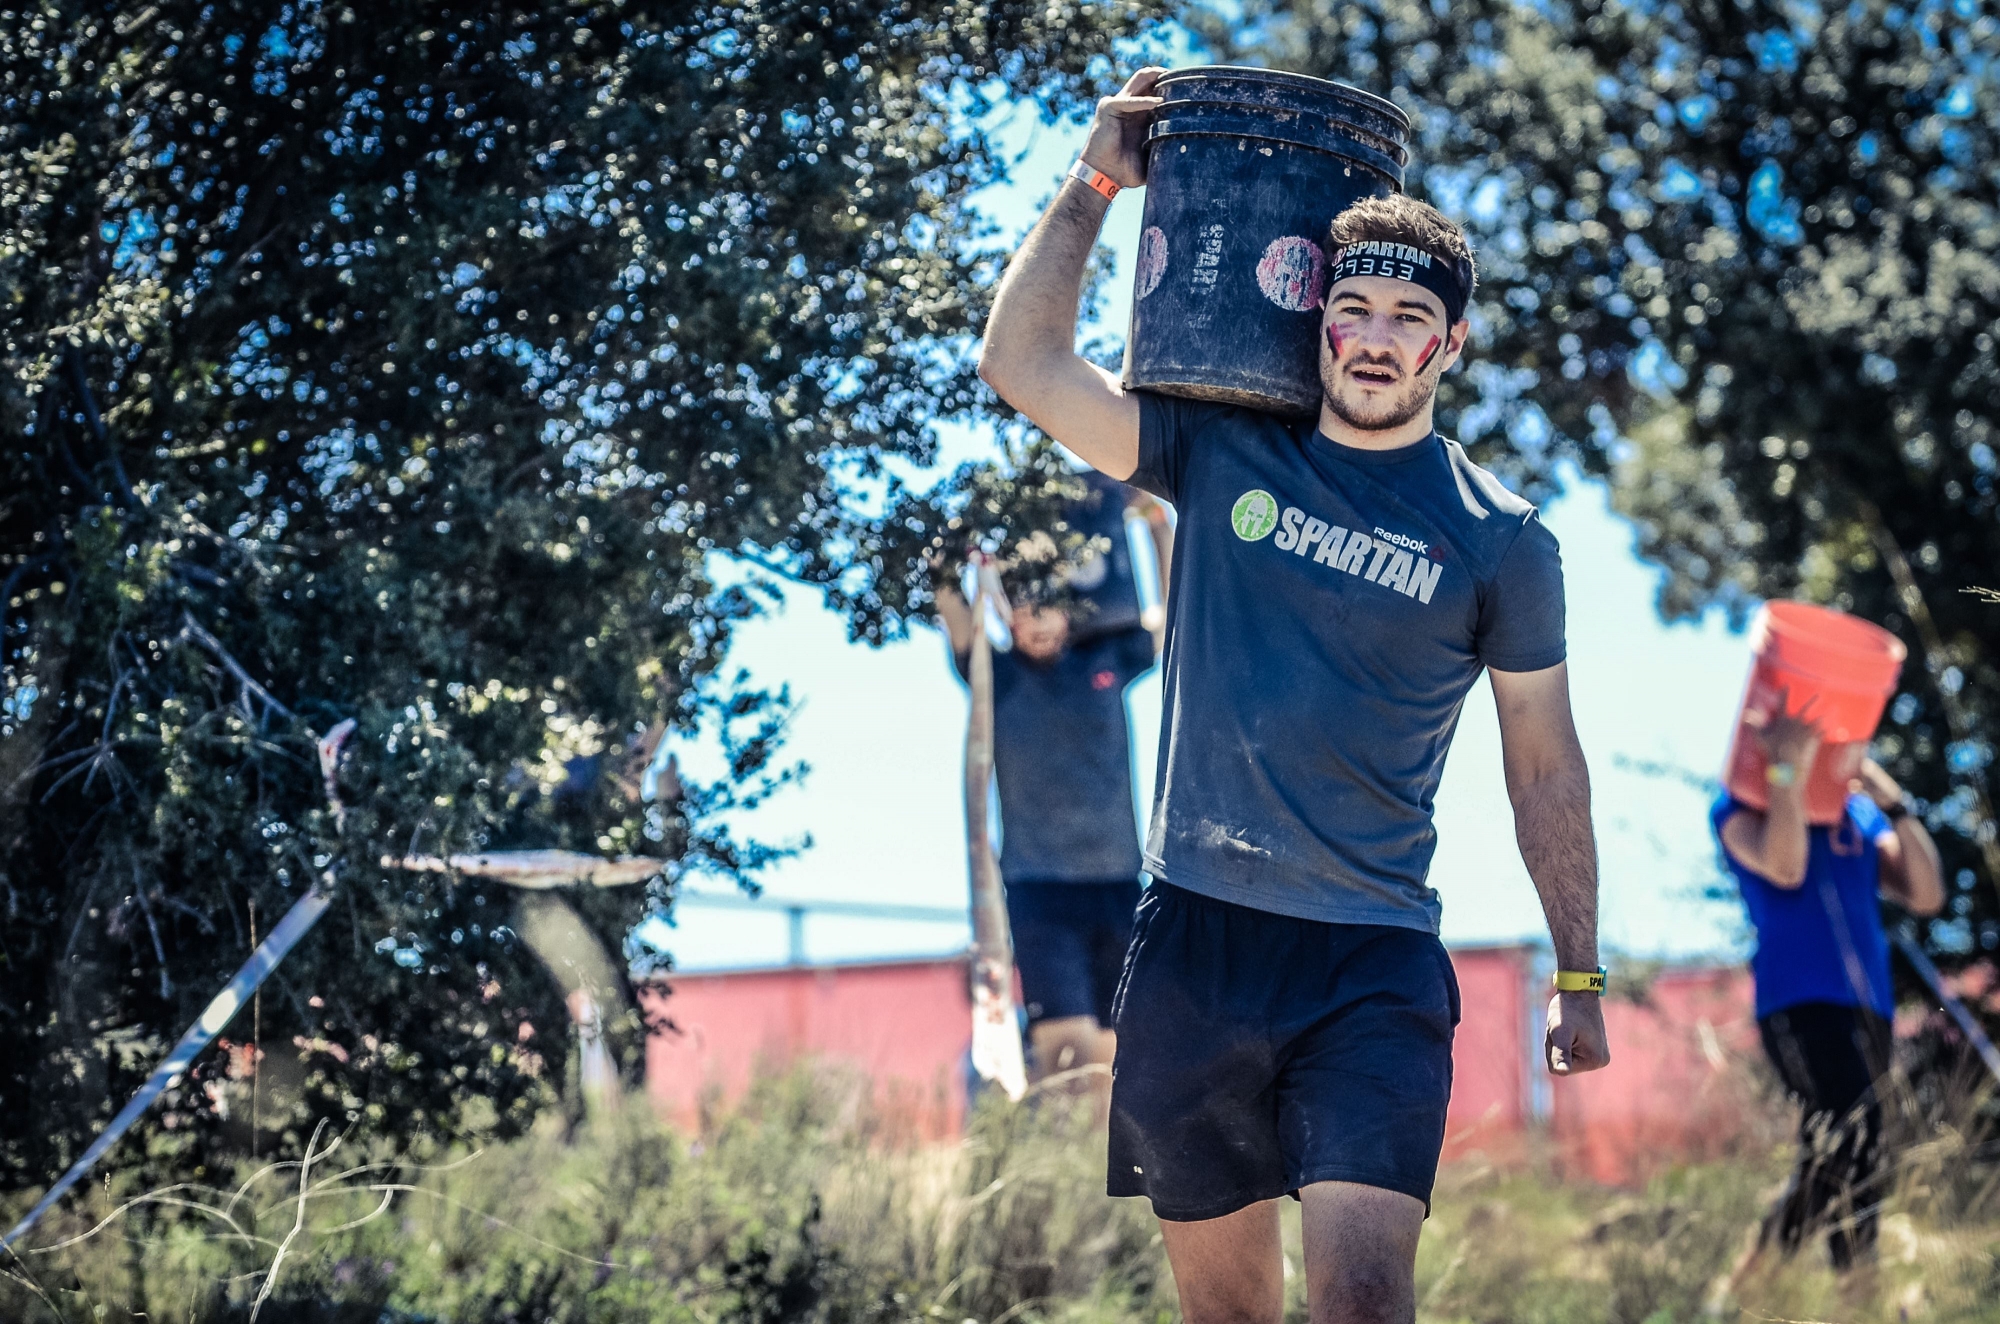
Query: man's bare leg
{"points": [[1229, 1270], [1361, 1253], [1072, 1043]]}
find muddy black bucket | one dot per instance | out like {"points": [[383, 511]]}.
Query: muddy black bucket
{"points": [[1245, 169]]}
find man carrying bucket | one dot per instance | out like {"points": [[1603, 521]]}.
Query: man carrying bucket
{"points": [[1070, 846], [1286, 1016], [1822, 969]]}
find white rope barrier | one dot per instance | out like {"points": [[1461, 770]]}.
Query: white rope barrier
{"points": [[301, 917]]}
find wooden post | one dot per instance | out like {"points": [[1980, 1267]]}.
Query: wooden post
{"points": [[996, 1034]]}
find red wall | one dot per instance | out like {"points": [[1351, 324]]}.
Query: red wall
{"points": [[1680, 1085], [1490, 1106], [905, 1023], [1677, 1087]]}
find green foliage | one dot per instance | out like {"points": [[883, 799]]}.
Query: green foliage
{"points": [[1742, 259], [799, 1207], [440, 350], [796, 1207]]}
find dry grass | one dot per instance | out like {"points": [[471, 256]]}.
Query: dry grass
{"points": [[795, 1207]]}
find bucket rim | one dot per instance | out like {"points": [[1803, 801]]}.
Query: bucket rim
{"points": [[1304, 82], [1181, 118], [1833, 649], [1831, 630], [1353, 150]]}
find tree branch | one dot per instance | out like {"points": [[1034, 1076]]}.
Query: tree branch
{"points": [[192, 629]]}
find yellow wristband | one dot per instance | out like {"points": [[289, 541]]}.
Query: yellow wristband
{"points": [[1580, 981]]}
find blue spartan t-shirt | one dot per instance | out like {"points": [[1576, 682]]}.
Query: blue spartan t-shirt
{"points": [[1801, 955], [1062, 757], [1330, 607]]}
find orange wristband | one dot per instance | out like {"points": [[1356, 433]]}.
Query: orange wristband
{"points": [[1094, 178]]}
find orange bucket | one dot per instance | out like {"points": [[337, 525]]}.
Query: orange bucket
{"points": [[1836, 669]]}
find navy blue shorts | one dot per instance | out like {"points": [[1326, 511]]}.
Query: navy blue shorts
{"points": [[1258, 1054], [1069, 945]]}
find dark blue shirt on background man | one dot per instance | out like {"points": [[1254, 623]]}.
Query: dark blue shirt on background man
{"points": [[1069, 830], [1062, 759]]}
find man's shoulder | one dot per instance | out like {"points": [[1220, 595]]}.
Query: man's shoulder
{"points": [[1484, 497], [1720, 809], [1191, 416], [1493, 527]]}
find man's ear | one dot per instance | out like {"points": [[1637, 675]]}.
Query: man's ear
{"points": [[1454, 341]]}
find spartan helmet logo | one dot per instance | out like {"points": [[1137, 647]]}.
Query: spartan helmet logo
{"points": [[1254, 515]]}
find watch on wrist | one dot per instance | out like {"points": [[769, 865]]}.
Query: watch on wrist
{"points": [[1898, 811], [1580, 981], [1782, 774], [1093, 178]]}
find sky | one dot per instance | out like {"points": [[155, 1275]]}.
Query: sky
{"points": [[882, 731]]}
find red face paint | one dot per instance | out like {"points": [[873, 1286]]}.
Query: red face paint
{"points": [[1333, 341], [1430, 352]]}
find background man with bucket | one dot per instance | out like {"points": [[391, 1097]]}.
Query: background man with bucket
{"points": [[1286, 1017], [1062, 760], [1814, 832]]}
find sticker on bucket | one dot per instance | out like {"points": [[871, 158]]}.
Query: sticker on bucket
{"points": [[1152, 259], [1291, 273], [1208, 261]]}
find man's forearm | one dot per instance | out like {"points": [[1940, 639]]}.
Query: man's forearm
{"points": [[1552, 824], [1786, 846], [955, 614], [1922, 890], [1035, 311]]}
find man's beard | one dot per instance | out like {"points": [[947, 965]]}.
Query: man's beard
{"points": [[1385, 417]]}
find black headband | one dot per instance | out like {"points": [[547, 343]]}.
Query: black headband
{"points": [[1450, 281]]}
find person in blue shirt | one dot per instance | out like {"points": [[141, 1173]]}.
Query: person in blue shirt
{"points": [[1821, 970], [1338, 586], [1069, 854]]}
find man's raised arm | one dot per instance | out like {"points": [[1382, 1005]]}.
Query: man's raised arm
{"points": [[1030, 358]]}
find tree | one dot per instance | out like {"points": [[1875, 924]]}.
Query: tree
{"points": [[410, 363], [1740, 259]]}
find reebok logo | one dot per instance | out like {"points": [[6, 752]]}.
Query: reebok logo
{"points": [[1410, 543], [1390, 559]]}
